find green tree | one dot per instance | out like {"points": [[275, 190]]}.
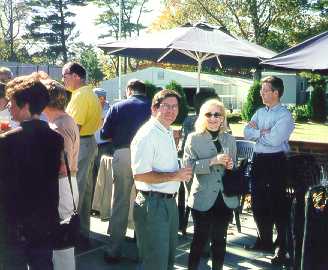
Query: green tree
{"points": [[132, 11], [51, 26], [276, 24], [318, 104], [183, 108], [151, 90], [253, 101], [89, 59], [12, 16]]}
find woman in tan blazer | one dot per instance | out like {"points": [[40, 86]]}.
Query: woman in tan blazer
{"points": [[210, 150]]}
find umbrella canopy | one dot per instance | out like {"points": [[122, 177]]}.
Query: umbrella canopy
{"points": [[201, 44], [311, 54]]}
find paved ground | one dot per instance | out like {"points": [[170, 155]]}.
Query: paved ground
{"points": [[236, 258]]}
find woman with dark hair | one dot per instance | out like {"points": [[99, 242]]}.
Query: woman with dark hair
{"points": [[210, 150], [64, 124]]}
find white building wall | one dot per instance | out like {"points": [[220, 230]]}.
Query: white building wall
{"points": [[292, 86], [228, 88]]}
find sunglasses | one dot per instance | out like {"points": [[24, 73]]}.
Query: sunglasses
{"points": [[216, 115]]}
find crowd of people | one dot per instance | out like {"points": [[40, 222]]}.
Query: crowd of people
{"points": [[38, 190]]}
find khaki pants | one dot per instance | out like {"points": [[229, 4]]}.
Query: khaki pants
{"points": [[123, 183], [87, 154]]}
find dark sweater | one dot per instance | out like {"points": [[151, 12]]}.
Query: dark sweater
{"points": [[30, 161]]}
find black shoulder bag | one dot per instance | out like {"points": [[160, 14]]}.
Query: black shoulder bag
{"points": [[234, 182], [69, 229]]}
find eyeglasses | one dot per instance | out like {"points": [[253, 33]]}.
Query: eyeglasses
{"points": [[216, 115], [167, 107], [65, 75], [266, 90]]}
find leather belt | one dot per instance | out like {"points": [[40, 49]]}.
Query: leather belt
{"points": [[272, 155], [118, 147], [86, 136], [158, 194]]}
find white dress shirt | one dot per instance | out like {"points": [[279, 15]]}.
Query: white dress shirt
{"points": [[153, 149]]}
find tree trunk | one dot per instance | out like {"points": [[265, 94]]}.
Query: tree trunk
{"points": [[62, 34]]}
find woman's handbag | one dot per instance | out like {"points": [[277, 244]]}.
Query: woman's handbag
{"points": [[68, 230], [234, 182]]}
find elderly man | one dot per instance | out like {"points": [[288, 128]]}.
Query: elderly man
{"points": [[121, 123], [154, 162], [270, 127], [105, 147], [5, 75], [85, 109]]}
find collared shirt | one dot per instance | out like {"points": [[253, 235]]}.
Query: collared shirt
{"points": [[153, 149], [124, 119], [85, 109], [281, 125]]}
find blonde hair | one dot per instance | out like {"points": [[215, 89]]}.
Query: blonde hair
{"points": [[201, 122]]}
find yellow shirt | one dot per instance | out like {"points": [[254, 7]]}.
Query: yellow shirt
{"points": [[85, 109]]}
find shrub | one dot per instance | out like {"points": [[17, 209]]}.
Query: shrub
{"points": [[151, 89], [233, 117], [253, 101], [204, 95], [318, 102], [301, 113], [183, 109]]}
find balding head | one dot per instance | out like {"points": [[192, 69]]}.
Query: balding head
{"points": [[5, 75]]}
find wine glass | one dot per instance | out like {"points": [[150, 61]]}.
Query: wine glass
{"points": [[226, 150]]}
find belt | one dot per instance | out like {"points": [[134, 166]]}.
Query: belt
{"points": [[86, 136], [158, 194], [277, 154], [122, 146]]}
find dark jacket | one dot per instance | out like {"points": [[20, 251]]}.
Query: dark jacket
{"points": [[30, 161]]}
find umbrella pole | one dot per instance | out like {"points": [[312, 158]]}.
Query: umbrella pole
{"points": [[199, 68]]}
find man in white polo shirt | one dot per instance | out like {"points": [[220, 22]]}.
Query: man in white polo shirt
{"points": [[157, 176]]}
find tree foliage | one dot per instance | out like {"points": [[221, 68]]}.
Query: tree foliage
{"points": [[132, 11], [89, 59], [12, 18], [51, 26], [276, 24], [318, 106], [151, 90], [253, 101]]}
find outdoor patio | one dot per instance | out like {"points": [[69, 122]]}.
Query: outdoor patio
{"points": [[236, 258]]}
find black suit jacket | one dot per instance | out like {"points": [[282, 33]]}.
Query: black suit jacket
{"points": [[30, 161]]}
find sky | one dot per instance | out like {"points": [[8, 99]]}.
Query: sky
{"points": [[89, 32]]}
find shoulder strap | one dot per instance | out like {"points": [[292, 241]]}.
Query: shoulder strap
{"points": [[69, 178]]}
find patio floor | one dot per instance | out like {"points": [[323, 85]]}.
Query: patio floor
{"points": [[236, 257]]}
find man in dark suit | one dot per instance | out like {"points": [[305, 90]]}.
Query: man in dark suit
{"points": [[30, 158]]}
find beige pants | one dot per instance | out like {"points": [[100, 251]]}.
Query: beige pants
{"points": [[122, 199]]}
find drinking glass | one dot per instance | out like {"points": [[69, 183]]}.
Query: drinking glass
{"points": [[4, 122], [226, 150], [323, 176]]}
